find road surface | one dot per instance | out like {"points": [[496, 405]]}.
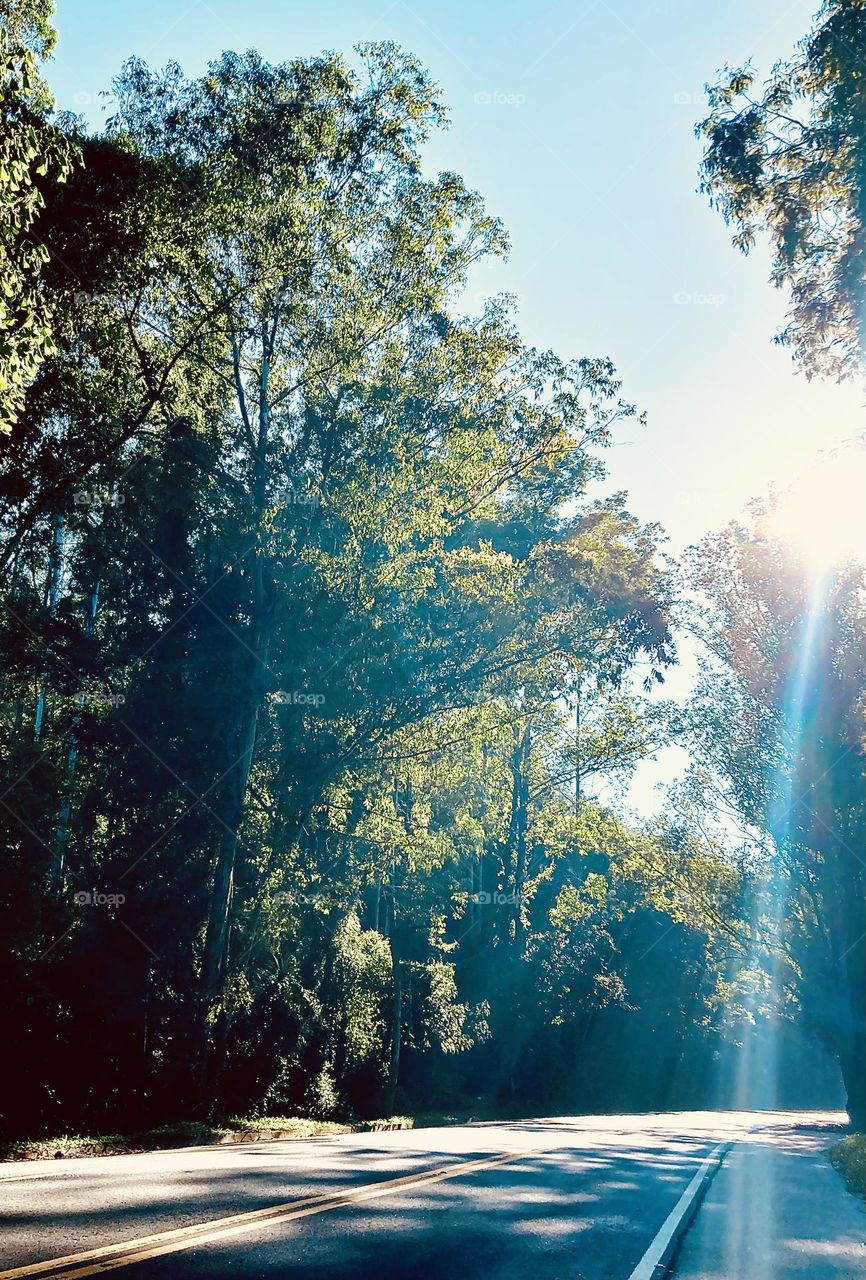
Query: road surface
{"points": [[567, 1198]]}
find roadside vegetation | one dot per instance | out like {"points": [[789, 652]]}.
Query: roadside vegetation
{"points": [[849, 1157], [191, 1134], [330, 649]]}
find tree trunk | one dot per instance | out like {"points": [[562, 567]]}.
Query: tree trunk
{"points": [[212, 1032], [396, 1018], [517, 831], [52, 595], [215, 957], [852, 1061], [852, 1058], [221, 894]]}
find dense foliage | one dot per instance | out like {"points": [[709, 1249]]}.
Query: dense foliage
{"points": [[30, 151], [788, 158], [328, 651], [778, 722]]}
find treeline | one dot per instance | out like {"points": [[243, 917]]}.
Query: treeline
{"points": [[322, 664]]}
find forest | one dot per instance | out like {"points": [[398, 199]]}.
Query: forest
{"points": [[330, 649]]}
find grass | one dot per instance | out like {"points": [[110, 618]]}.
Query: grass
{"points": [[286, 1126], [187, 1134], [849, 1157], [109, 1144]]}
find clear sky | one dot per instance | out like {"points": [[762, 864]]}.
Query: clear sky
{"points": [[575, 120]]}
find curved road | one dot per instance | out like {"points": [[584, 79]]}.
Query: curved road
{"points": [[569, 1198]]}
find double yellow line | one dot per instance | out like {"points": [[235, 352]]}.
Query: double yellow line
{"points": [[93, 1262]]}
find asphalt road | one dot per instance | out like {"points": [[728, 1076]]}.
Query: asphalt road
{"points": [[566, 1198]]}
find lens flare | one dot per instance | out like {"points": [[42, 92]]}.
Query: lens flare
{"points": [[822, 517]]}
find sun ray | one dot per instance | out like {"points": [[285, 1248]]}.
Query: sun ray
{"points": [[822, 516]]}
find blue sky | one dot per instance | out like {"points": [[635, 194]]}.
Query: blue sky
{"points": [[586, 151], [576, 122]]}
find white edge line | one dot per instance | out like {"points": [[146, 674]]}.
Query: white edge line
{"points": [[645, 1269]]}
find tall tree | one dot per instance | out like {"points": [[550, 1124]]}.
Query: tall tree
{"points": [[778, 717], [301, 572], [789, 158]]}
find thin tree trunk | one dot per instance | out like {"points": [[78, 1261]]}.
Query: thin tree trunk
{"points": [[63, 820], [212, 1029], [396, 1033], [852, 1061], [396, 1017], [577, 751], [221, 893], [519, 823], [52, 595], [852, 1058]]}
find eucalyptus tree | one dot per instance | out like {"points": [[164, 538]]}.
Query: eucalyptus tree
{"points": [[777, 721], [786, 158], [302, 570], [376, 475]]}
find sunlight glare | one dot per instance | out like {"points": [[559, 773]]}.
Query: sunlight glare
{"points": [[823, 516]]}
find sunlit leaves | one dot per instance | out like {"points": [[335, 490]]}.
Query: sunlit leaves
{"points": [[31, 153], [786, 159]]}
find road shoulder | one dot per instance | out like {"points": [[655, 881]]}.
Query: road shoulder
{"points": [[777, 1208]]}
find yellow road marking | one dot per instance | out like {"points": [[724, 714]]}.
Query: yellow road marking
{"points": [[110, 1257]]}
